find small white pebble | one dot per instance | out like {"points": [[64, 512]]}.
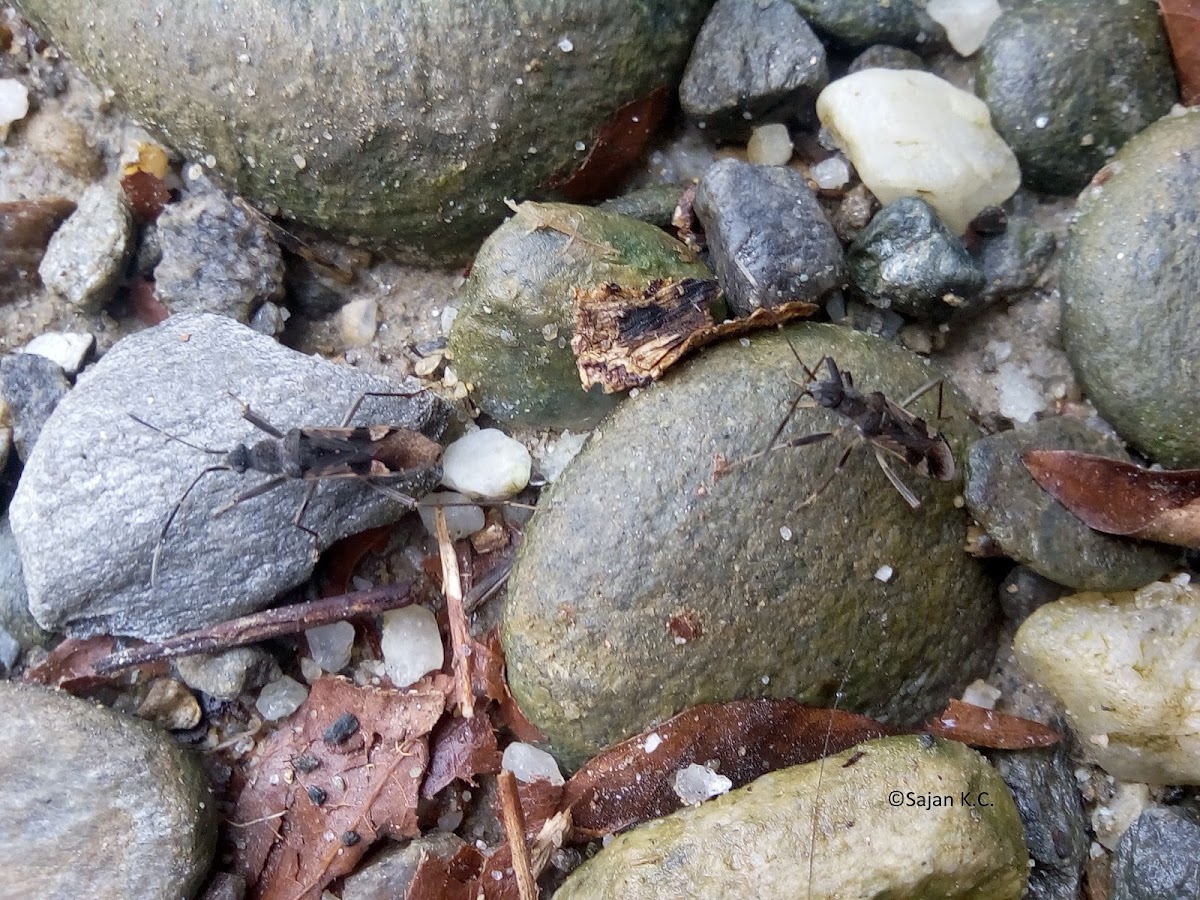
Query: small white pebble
{"points": [[980, 693], [966, 21], [463, 518], [411, 644], [565, 45], [831, 174], [68, 349], [330, 645], [695, 784], [653, 742], [528, 764], [486, 463], [884, 574], [785, 533], [14, 104], [1041, 121], [280, 698], [357, 320], [770, 145]]}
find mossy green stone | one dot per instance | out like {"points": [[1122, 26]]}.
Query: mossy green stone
{"points": [[511, 340], [644, 585], [403, 121], [830, 829], [1131, 312], [1069, 81]]}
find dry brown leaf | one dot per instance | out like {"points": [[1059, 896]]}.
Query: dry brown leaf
{"points": [[989, 730], [460, 749], [540, 803], [72, 665], [632, 782], [1120, 498], [626, 338], [439, 878], [1182, 21], [341, 772]]}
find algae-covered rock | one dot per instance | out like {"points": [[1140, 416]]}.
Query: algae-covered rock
{"points": [[1131, 263], [1038, 531], [511, 341], [902, 817], [1036, 59], [646, 585], [407, 121], [1125, 667]]}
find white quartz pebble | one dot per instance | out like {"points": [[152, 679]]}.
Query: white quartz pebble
{"points": [[411, 643], [358, 322], [68, 349], [330, 645], [463, 518], [695, 784], [830, 174], [14, 104], [280, 698], [966, 21], [528, 763], [912, 134], [486, 463]]}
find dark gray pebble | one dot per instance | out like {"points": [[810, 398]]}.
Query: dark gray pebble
{"points": [[908, 261], [1158, 857], [1024, 590], [858, 23], [755, 61], [1043, 785], [32, 386], [769, 238], [1035, 61]]}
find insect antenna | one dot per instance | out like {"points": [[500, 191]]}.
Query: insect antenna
{"points": [[171, 518], [178, 440], [812, 840]]}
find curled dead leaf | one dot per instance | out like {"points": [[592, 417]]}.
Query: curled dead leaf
{"points": [[986, 729], [1120, 498]]}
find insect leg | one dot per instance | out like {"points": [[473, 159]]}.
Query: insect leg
{"points": [[365, 394], [298, 519], [833, 473], [257, 491], [909, 497], [924, 389], [162, 536], [255, 419]]}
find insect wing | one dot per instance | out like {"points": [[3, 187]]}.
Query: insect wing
{"points": [[915, 443]]}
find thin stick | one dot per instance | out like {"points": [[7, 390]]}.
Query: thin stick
{"points": [[460, 637], [261, 626], [514, 827]]}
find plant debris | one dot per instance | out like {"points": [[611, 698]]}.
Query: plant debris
{"points": [[1182, 21], [460, 749], [1116, 497], [626, 338], [986, 729], [311, 808]]}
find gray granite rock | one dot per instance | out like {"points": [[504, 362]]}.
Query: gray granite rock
{"points": [[86, 256], [1038, 531], [31, 386], [350, 116], [1043, 785], [1131, 324], [908, 261], [858, 23], [95, 494], [638, 543], [226, 675], [769, 238], [10, 652], [511, 340], [97, 804], [216, 258], [15, 617], [1013, 260], [1036, 58], [755, 61], [1157, 856]]}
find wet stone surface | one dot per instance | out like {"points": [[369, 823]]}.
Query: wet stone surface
{"points": [[1157, 856], [94, 496], [368, 134], [769, 238], [31, 386], [727, 97], [1131, 325], [76, 824], [862, 22], [782, 599], [907, 260], [1033, 64], [1036, 530]]}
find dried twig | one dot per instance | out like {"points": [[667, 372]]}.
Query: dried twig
{"points": [[514, 827], [261, 626], [460, 636]]}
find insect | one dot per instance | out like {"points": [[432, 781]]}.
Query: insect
{"points": [[310, 454], [889, 428]]}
